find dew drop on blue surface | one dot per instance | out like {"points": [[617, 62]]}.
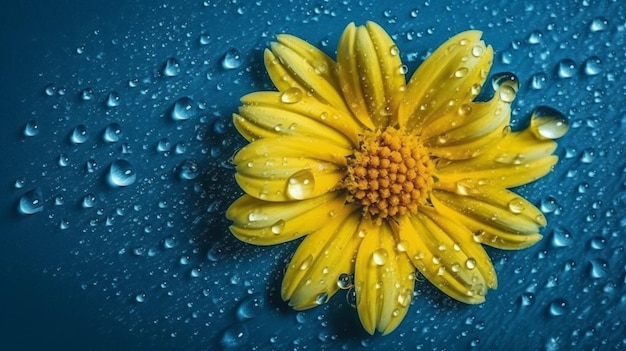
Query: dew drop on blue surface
{"points": [[89, 201], [180, 148], [561, 238], [598, 24], [195, 272], [548, 123], [91, 165], [31, 128], [588, 156], [112, 133], [141, 297], [250, 307], [113, 99], [171, 67], [169, 242], [235, 337], [188, 170], [205, 38], [63, 160], [59, 200], [121, 173], [183, 109], [19, 183], [50, 89], [79, 134], [538, 81], [527, 299], [598, 268], [592, 66], [163, 145], [232, 59], [534, 37], [64, 224], [31, 202], [558, 307], [566, 68], [87, 94]]}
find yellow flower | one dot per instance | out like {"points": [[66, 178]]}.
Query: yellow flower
{"points": [[384, 177]]}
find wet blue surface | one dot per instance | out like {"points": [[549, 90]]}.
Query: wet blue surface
{"points": [[115, 142]]}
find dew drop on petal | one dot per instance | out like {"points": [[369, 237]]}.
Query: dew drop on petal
{"points": [[79, 134], [516, 206], [112, 133], [598, 24], [461, 72], [380, 256], [31, 202], [31, 128], [592, 66], [394, 51], [477, 51], [300, 185], [548, 123], [306, 263], [566, 68], [183, 109], [470, 263], [113, 99], [121, 173], [321, 298], [291, 95], [344, 281], [503, 79], [404, 297], [171, 67], [558, 307], [278, 227], [232, 59]]}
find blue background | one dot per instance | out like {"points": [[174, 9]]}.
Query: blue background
{"points": [[153, 266]]}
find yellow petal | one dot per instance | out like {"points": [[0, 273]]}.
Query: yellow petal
{"points": [[443, 251], [311, 277], [294, 63], [370, 73], [519, 158], [496, 217], [268, 223], [383, 279], [447, 79], [265, 115], [468, 131]]}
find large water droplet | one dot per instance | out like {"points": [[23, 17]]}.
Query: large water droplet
{"points": [[558, 307], [534, 37], [548, 123], [291, 95], [183, 109], [31, 202], [598, 24], [301, 185], [171, 67], [112, 133], [50, 89], [592, 66], [566, 68], [31, 128], [598, 268], [232, 59], [79, 134], [121, 173], [561, 238]]}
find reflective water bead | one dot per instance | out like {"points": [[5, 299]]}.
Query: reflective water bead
{"points": [[380, 256], [121, 173], [31, 202], [163, 145], [188, 170], [79, 134], [31, 128], [89, 201], [232, 59], [291, 95], [64, 160], [503, 79], [534, 37], [344, 281], [558, 307], [548, 123], [113, 99], [171, 67], [50, 89], [300, 185], [112, 133], [87, 94], [598, 24], [561, 238], [91, 165], [592, 66], [183, 109], [538, 81], [250, 307], [566, 68]]}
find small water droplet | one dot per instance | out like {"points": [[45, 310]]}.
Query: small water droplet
{"points": [[588, 156], [470, 263], [91, 165], [64, 160], [380, 256], [171, 67], [232, 59], [538, 81], [113, 99], [534, 37], [89, 201], [250, 307], [597, 243], [516, 206], [548, 123], [598, 268], [344, 281], [592, 66], [121, 173], [558, 307], [163, 145], [291, 95], [461, 72], [188, 170], [527, 299], [477, 51], [321, 298], [404, 297], [79, 134], [300, 185], [50, 89], [112, 133], [183, 109], [549, 205], [87, 94], [31, 128], [180, 148], [64, 224], [59, 200], [598, 24], [561, 238], [204, 39], [31, 202], [566, 68], [141, 297]]}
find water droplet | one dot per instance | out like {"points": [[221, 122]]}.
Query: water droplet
{"points": [[50, 89], [549, 205], [121, 173], [89, 201], [558, 307], [538, 81], [183, 109], [300, 185], [505, 79], [31, 128], [171, 67], [588, 156], [188, 170], [195, 272], [232, 59], [566, 68], [291, 95], [394, 51], [321, 298], [598, 24], [597, 243], [112, 133], [461, 72], [380, 256], [64, 224], [477, 51], [548, 123], [250, 307], [64, 160], [169, 242], [163, 145], [205, 38], [180, 148], [113, 99], [534, 37], [79, 134], [344, 281], [404, 297], [59, 200], [351, 297], [598, 268], [470, 263], [141, 297], [592, 66], [31, 202], [278, 227], [87, 94], [516, 206], [306, 263], [527, 299], [561, 238]]}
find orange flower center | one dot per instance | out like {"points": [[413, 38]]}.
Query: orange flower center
{"points": [[390, 174]]}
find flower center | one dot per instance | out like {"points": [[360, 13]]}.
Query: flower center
{"points": [[390, 174]]}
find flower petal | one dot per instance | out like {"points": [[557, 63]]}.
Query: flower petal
{"points": [[294, 63], [370, 73], [519, 158], [444, 252], [265, 115], [383, 279], [268, 223], [289, 168], [497, 217], [311, 276], [473, 128], [450, 77]]}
